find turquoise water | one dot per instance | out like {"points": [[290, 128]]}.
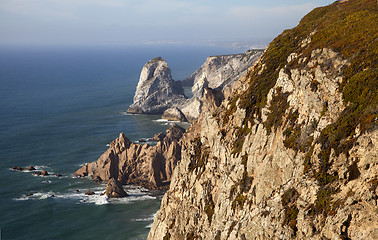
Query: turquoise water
{"points": [[59, 108]]}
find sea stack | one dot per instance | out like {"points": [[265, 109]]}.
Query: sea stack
{"points": [[156, 90]]}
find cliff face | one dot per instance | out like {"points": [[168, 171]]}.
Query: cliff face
{"points": [[220, 71], [139, 164], [291, 151], [216, 73], [156, 90]]}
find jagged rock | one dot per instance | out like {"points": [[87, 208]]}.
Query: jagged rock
{"points": [[174, 114], [131, 163], [114, 189], [192, 109], [158, 137], [284, 155], [156, 90], [89, 192], [221, 71], [97, 179]]}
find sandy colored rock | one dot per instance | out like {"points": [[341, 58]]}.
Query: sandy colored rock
{"points": [[139, 164], [114, 189]]}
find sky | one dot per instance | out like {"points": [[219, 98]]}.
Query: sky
{"points": [[148, 22]]}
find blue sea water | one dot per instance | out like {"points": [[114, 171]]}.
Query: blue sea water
{"points": [[59, 108]]}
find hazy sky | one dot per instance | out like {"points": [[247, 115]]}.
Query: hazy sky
{"points": [[125, 22]]}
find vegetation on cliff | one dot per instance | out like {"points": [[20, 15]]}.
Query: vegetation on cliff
{"points": [[348, 28]]}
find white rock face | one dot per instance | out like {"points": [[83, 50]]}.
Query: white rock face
{"points": [[221, 71], [156, 90]]}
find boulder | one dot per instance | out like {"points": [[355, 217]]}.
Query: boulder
{"points": [[174, 114], [114, 189]]}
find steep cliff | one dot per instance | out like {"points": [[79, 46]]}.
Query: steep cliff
{"points": [[291, 151], [139, 164], [220, 71], [156, 90]]}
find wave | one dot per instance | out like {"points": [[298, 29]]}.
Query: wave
{"points": [[147, 219], [135, 194]]}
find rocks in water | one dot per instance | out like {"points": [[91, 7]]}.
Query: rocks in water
{"points": [[174, 114], [156, 90], [140, 164], [18, 168], [114, 189], [58, 175], [89, 192], [29, 168], [41, 173]]}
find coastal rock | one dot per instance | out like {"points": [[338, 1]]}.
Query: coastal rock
{"points": [[156, 90], [114, 189], [287, 154], [29, 168], [17, 168], [158, 137], [41, 173], [89, 192], [192, 109], [221, 71], [174, 114], [140, 164]]}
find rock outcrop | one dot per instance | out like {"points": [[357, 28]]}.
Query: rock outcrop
{"points": [[158, 93], [114, 189], [291, 151], [174, 114], [220, 71], [139, 164], [156, 90]]}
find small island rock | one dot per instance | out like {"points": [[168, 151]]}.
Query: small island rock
{"points": [[114, 189]]}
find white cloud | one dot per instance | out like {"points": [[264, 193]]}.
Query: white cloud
{"points": [[250, 13]]}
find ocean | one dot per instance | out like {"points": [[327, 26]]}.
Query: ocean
{"points": [[59, 108]]}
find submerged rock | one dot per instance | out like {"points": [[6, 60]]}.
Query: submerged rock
{"points": [[29, 168], [89, 192]]}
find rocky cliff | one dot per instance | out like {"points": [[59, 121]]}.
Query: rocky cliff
{"points": [[220, 71], [156, 90], [291, 151], [158, 93], [139, 164]]}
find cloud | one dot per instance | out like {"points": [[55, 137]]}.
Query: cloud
{"points": [[250, 13]]}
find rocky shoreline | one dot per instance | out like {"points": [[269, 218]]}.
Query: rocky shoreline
{"points": [[138, 163]]}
